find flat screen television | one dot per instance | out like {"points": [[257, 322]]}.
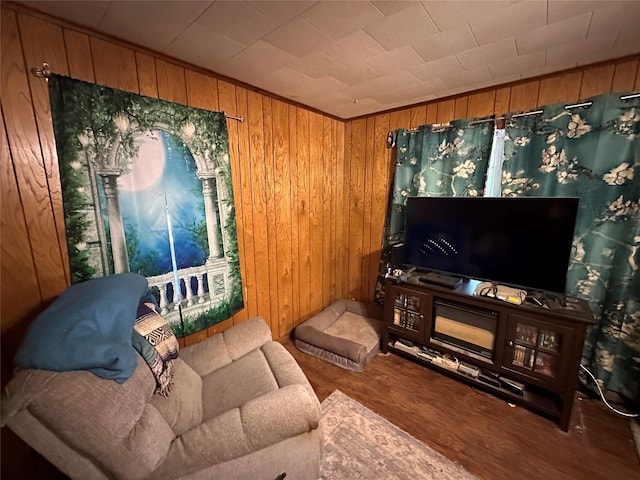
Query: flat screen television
{"points": [[518, 241]]}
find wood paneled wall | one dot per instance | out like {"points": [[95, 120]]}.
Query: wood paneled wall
{"points": [[310, 190], [288, 169]]}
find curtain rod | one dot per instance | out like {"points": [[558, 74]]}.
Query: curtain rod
{"points": [[524, 114], [437, 126], [434, 126], [45, 72]]}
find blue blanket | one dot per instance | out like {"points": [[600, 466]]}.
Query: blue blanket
{"points": [[88, 327]]}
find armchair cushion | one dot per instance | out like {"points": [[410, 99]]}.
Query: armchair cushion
{"points": [[248, 377], [182, 409], [105, 422], [263, 421], [222, 349], [253, 414]]}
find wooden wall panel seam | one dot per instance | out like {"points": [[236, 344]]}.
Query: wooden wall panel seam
{"points": [[53, 50], [244, 234], [14, 309], [22, 133]]}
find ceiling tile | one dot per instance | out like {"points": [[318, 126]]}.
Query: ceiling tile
{"points": [[596, 50], [254, 61], [201, 46], [402, 58], [238, 21], [594, 47], [351, 50], [628, 41], [355, 47], [82, 13], [284, 79], [500, 80], [338, 19], [314, 65], [421, 90], [516, 18], [490, 53], [389, 7], [437, 68], [405, 27], [279, 10], [468, 77], [564, 31], [337, 97], [450, 92], [384, 84], [616, 16], [563, 9], [516, 65], [443, 44], [569, 54], [451, 14], [354, 73], [322, 86], [164, 21], [298, 37]]}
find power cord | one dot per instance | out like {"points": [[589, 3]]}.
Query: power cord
{"points": [[624, 414]]}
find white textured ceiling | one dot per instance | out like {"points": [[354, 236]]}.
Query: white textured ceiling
{"points": [[350, 58]]}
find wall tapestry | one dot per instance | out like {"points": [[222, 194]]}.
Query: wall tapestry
{"points": [[146, 188]]}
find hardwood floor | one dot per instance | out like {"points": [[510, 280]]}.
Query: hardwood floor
{"points": [[478, 430]]}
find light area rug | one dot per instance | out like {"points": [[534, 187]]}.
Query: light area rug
{"points": [[361, 444]]}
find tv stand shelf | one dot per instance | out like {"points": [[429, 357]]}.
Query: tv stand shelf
{"points": [[526, 354]]}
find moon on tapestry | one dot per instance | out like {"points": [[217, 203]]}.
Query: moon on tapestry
{"points": [[148, 165], [146, 188]]}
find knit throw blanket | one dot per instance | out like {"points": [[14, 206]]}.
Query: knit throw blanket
{"points": [[156, 343]]}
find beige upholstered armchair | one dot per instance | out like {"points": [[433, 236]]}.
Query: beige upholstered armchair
{"points": [[240, 407]]}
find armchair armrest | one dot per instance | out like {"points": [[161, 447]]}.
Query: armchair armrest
{"points": [[261, 422]]}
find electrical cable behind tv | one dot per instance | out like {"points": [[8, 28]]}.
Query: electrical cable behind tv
{"points": [[624, 414]]}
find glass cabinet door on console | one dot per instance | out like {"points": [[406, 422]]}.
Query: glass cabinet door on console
{"points": [[408, 313], [537, 348]]}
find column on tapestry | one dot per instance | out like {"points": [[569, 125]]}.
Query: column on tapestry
{"points": [[591, 152], [127, 160], [433, 160]]}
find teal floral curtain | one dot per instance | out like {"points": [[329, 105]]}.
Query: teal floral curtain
{"points": [[593, 153], [434, 160]]}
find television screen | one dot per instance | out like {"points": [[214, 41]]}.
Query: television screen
{"points": [[524, 241]]}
